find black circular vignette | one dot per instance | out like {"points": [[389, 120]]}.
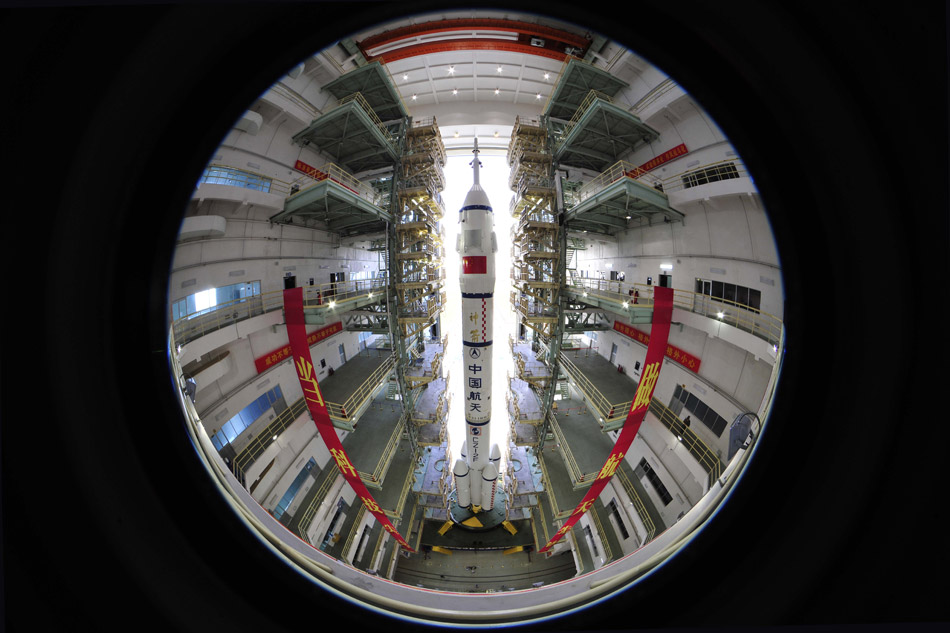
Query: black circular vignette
{"points": [[123, 524]]}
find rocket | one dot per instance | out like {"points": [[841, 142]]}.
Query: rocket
{"points": [[476, 472]]}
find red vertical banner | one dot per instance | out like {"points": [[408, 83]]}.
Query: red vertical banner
{"points": [[662, 313], [297, 333]]}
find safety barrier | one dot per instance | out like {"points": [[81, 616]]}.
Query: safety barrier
{"points": [[329, 295], [638, 506], [752, 320]]}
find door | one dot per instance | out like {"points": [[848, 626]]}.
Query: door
{"points": [[613, 353], [342, 354]]}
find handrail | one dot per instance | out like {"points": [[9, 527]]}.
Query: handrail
{"points": [[607, 412], [638, 506], [335, 173], [624, 169], [361, 101], [692, 442], [575, 471], [589, 100], [258, 444], [306, 518], [193, 326], [347, 409], [353, 533], [388, 452], [595, 517], [761, 324]]}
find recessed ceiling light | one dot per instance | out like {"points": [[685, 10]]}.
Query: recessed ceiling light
{"points": [[451, 70], [405, 76], [496, 90], [496, 134], [456, 133], [547, 75], [413, 97], [455, 91], [499, 69]]}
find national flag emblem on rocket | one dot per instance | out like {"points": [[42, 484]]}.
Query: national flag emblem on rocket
{"points": [[475, 265]]}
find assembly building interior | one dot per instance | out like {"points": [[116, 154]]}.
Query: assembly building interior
{"points": [[613, 181], [234, 388]]}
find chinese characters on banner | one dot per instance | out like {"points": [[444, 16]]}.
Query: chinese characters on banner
{"points": [[296, 332], [662, 312], [653, 163], [673, 353], [311, 171], [279, 355]]}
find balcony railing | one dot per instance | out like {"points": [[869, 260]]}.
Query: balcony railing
{"points": [[761, 324], [196, 325]]}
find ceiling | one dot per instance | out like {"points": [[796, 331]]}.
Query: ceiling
{"points": [[475, 71]]}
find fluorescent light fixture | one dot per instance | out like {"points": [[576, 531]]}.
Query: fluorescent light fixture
{"points": [[666, 266]]}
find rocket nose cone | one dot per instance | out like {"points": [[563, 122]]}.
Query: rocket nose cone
{"points": [[495, 454], [476, 196], [489, 472], [461, 468]]}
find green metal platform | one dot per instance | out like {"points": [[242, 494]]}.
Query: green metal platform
{"points": [[606, 211], [577, 80], [374, 83], [603, 134], [341, 209], [348, 134]]}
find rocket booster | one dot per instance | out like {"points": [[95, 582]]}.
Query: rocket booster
{"points": [[477, 246]]}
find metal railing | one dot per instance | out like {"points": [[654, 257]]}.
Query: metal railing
{"points": [[361, 101], [353, 532], [592, 97], [346, 411], [306, 518], [390, 450], [579, 478], [692, 442], [620, 169], [638, 506], [340, 176], [258, 444], [595, 519], [193, 326], [761, 324], [607, 411]]}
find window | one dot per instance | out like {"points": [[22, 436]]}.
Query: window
{"points": [[247, 416], [288, 497], [207, 300], [217, 175], [700, 410], [615, 511], [730, 293], [710, 174], [650, 474]]}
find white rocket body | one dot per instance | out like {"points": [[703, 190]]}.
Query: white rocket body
{"points": [[477, 246]]}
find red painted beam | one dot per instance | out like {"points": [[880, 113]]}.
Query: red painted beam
{"points": [[470, 24], [467, 45]]}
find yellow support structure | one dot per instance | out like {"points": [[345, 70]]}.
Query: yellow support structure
{"points": [[514, 550], [508, 526], [445, 528], [441, 550]]}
